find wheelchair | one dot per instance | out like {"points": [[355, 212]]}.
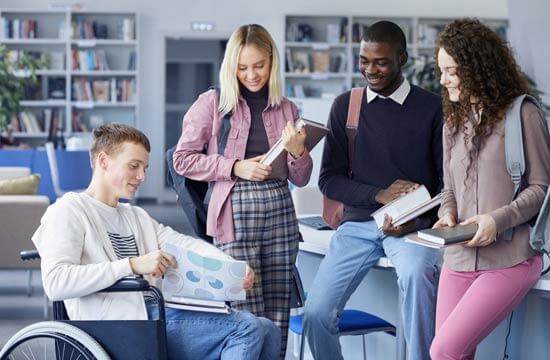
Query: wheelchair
{"points": [[92, 340]]}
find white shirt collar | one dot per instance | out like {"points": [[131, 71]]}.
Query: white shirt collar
{"points": [[399, 95]]}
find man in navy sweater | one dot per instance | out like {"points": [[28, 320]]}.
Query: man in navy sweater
{"points": [[397, 147]]}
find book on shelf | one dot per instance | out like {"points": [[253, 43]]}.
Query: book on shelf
{"points": [[29, 123], [299, 91], [277, 155], [19, 28], [132, 61], [100, 90], [203, 282], [127, 29], [288, 60], [338, 63], [89, 60], [407, 207], [445, 236], [56, 60], [300, 62], [333, 33], [56, 88], [320, 61]]}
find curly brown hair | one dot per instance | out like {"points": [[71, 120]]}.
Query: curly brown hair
{"points": [[488, 73]]}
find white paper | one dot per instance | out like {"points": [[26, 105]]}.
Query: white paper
{"points": [[203, 277]]}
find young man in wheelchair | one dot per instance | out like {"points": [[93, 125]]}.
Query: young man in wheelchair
{"points": [[87, 241]]}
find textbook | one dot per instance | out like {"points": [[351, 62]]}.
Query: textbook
{"points": [[192, 304], [407, 207], [443, 237], [449, 235], [202, 282], [277, 155]]}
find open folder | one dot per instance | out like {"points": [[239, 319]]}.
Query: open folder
{"points": [[277, 155], [202, 283]]}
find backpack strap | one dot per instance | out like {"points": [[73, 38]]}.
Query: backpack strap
{"points": [[513, 145], [224, 127], [352, 122]]}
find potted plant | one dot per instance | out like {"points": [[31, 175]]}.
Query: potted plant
{"points": [[14, 74]]}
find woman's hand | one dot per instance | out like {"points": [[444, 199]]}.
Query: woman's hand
{"points": [[251, 169], [154, 263], [448, 220], [486, 230], [294, 141], [248, 278]]}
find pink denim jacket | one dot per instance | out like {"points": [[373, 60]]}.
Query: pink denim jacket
{"points": [[200, 127]]}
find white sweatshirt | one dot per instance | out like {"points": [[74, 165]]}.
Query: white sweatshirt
{"points": [[78, 259]]}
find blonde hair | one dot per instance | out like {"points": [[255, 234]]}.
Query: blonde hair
{"points": [[257, 36]]}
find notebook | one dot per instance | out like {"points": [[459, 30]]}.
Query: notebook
{"points": [[277, 155]]}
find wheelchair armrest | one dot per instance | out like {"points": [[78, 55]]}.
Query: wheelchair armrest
{"points": [[139, 284], [29, 255], [128, 284]]}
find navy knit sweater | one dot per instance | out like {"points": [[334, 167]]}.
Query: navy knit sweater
{"points": [[393, 142]]}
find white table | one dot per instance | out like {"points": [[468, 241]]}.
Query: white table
{"points": [[318, 241]]}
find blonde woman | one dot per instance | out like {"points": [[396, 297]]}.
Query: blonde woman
{"points": [[250, 214]]}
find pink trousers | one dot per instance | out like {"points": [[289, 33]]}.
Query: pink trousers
{"points": [[471, 304]]}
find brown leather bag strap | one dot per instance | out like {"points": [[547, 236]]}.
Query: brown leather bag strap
{"points": [[354, 109]]}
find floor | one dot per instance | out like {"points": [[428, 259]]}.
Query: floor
{"points": [[18, 310]]}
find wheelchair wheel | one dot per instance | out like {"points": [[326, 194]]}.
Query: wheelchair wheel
{"points": [[52, 340]]}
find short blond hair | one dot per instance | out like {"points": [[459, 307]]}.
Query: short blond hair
{"points": [[108, 138], [257, 36]]}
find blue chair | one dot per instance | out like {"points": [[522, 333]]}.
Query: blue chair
{"points": [[352, 322]]}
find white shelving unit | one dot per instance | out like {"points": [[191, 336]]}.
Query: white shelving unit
{"points": [[111, 37], [321, 52]]}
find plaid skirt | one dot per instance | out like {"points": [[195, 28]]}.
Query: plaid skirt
{"points": [[266, 236]]}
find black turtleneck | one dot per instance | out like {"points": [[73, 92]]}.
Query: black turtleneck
{"points": [[257, 143]]}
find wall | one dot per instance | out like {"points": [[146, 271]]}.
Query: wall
{"points": [[528, 35], [163, 17]]}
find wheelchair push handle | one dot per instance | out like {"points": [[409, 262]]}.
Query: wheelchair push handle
{"points": [[27, 255]]}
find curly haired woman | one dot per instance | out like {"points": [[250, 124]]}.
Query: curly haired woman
{"points": [[484, 279]]}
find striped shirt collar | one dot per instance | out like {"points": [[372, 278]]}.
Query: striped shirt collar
{"points": [[399, 95]]}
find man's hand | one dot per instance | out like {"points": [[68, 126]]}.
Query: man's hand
{"points": [[486, 233], [294, 141], [397, 231], [448, 220], [154, 263], [395, 190], [251, 169], [248, 278]]}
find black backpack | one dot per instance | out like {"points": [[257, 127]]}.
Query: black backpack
{"points": [[191, 193]]}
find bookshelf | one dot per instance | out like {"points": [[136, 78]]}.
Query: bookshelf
{"points": [[92, 73], [321, 52]]}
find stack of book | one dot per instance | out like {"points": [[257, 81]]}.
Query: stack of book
{"points": [[443, 237]]}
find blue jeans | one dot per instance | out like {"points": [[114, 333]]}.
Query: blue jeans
{"points": [[201, 335], [354, 249]]}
